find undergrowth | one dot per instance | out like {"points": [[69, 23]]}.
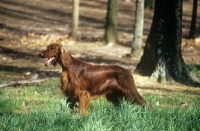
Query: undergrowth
{"points": [[195, 69], [42, 107]]}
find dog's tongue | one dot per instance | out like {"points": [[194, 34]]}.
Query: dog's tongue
{"points": [[48, 62]]}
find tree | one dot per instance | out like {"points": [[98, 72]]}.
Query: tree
{"points": [[111, 23], [138, 29], [193, 22], [75, 19], [162, 59]]}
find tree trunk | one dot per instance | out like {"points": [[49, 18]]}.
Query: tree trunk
{"points": [[162, 59], [138, 29], [75, 19], [193, 22], [111, 23]]}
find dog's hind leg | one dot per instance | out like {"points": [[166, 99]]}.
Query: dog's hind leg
{"points": [[115, 97]]}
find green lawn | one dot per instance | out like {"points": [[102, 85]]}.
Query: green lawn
{"points": [[42, 108]]}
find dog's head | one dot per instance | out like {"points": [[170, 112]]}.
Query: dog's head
{"points": [[51, 53]]}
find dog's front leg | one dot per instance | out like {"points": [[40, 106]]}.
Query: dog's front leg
{"points": [[64, 82], [84, 101]]}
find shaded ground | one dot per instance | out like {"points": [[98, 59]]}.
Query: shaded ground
{"points": [[27, 27], [54, 17]]}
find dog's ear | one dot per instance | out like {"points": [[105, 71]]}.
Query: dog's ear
{"points": [[61, 48]]}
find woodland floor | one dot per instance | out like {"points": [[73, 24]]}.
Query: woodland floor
{"points": [[27, 27]]}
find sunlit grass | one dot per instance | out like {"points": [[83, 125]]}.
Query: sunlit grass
{"points": [[35, 97], [7, 103], [42, 107]]}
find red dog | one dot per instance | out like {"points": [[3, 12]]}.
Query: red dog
{"points": [[82, 81]]}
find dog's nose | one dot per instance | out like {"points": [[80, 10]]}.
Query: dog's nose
{"points": [[41, 55]]}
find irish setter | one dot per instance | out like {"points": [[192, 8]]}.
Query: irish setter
{"points": [[81, 81]]}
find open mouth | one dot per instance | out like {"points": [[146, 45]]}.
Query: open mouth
{"points": [[50, 61]]}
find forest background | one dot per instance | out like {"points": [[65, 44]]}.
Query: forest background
{"points": [[27, 27]]}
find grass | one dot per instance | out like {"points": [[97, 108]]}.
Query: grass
{"points": [[42, 107], [195, 69]]}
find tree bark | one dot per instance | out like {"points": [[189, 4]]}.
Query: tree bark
{"points": [[111, 23], [162, 59], [193, 22], [138, 29], [75, 19]]}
